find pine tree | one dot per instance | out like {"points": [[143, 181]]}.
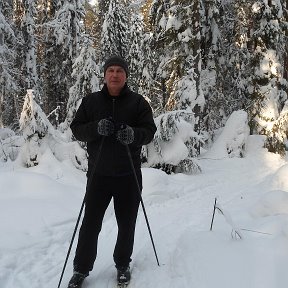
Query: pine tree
{"points": [[86, 74], [92, 22], [64, 41], [134, 54], [114, 36], [213, 71], [30, 48], [175, 37], [180, 67], [148, 85], [34, 127], [174, 131], [284, 26], [178, 77], [25, 48], [8, 82], [159, 43], [40, 136], [268, 58], [238, 84]]}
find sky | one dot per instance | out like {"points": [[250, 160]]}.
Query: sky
{"points": [[39, 207]]}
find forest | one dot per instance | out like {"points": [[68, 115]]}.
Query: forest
{"points": [[195, 61]]}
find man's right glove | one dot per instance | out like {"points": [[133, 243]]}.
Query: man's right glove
{"points": [[105, 127]]}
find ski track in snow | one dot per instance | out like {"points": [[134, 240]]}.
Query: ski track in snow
{"points": [[179, 209]]}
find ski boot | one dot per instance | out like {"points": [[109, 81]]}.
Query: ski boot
{"points": [[123, 276], [77, 280]]}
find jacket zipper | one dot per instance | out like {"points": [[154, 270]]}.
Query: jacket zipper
{"points": [[113, 109], [114, 144]]}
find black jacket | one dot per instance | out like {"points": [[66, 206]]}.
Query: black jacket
{"points": [[128, 108]]}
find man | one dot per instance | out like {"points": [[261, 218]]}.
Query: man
{"points": [[108, 121]]}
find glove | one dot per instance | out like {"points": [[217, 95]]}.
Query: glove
{"points": [[125, 134], [105, 127]]}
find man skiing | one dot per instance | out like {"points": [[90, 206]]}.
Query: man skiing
{"points": [[108, 121]]}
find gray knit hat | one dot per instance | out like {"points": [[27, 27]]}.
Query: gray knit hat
{"points": [[118, 61]]}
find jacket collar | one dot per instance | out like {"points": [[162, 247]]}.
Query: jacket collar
{"points": [[125, 90]]}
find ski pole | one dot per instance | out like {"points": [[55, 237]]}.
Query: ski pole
{"points": [[81, 210], [142, 203]]}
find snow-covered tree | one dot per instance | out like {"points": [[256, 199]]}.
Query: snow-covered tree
{"points": [[8, 82], [86, 74], [177, 32], [178, 38], [40, 135], [149, 84], [64, 36], [284, 25], [134, 54], [238, 72], [34, 125], [30, 47], [232, 142], [213, 76], [171, 150], [115, 36], [10, 144], [268, 59]]}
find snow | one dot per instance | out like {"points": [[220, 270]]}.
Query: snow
{"points": [[39, 207], [233, 138]]}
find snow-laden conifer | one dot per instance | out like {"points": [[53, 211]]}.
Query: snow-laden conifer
{"points": [[114, 35], [86, 74], [8, 82], [30, 48], [171, 150], [213, 75], [134, 54], [65, 35], [268, 92], [179, 69], [40, 135]]}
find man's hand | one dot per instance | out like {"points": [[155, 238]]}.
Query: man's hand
{"points": [[105, 127], [125, 134]]}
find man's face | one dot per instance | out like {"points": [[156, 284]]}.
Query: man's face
{"points": [[115, 77]]}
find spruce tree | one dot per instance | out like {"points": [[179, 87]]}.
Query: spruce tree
{"points": [[134, 54], [30, 48], [86, 75], [213, 68], [64, 37], [268, 58], [179, 74], [34, 127], [8, 81], [115, 36]]}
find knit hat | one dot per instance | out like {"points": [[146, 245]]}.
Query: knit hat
{"points": [[117, 61]]}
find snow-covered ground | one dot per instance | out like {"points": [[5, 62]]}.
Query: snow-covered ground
{"points": [[39, 207]]}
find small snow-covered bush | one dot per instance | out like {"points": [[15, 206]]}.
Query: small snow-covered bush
{"points": [[174, 144], [9, 144], [233, 139], [39, 135], [65, 150]]}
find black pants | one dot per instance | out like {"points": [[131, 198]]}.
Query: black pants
{"points": [[123, 190]]}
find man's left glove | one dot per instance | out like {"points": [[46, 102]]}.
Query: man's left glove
{"points": [[125, 134]]}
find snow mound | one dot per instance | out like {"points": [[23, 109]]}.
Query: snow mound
{"points": [[33, 201], [232, 141], [279, 180], [272, 203]]}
